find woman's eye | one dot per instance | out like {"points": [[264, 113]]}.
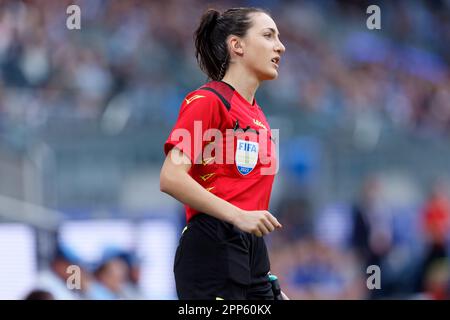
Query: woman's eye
{"points": [[268, 35]]}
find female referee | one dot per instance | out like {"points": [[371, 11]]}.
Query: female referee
{"points": [[221, 253]]}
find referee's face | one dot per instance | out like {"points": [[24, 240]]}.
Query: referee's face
{"points": [[262, 47]]}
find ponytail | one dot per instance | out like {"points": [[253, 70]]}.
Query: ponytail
{"points": [[204, 43]]}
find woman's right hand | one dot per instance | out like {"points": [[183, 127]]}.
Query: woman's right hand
{"points": [[258, 222]]}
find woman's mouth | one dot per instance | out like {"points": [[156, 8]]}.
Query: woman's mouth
{"points": [[275, 61]]}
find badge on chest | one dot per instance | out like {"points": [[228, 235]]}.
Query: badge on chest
{"points": [[246, 156]]}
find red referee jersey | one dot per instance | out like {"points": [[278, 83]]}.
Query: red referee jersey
{"points": [[229, 142]]}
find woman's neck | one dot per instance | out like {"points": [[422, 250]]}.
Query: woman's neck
{"points": [[242, 82]]}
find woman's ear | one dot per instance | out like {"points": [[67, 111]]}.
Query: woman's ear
{"points": [[235, 45]]}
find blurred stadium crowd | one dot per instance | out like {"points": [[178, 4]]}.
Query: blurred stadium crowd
{"points": [[115, 276], [140, 53], [133, 62]]}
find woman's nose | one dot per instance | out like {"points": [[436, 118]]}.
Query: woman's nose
{"points": [[280, 48]]}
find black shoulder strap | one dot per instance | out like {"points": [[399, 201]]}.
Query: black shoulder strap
{"points": [[224, 101], [222, 90]]}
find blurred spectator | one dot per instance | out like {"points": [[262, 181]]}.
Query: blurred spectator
{"points": [[132, 289], [372, 230], [437, 280], [111, 276], [436, 225], [310, 269], [54, 280], [372, 225], [39, 295]]}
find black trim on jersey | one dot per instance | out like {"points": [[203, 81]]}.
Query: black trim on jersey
{"points": [[237, 127], [231, 87], [224, 101], [225, 88]]}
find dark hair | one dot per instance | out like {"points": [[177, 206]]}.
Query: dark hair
{"points": [[210, 38]]}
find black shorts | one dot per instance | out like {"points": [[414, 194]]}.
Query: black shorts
{"points": [[215, 260]]}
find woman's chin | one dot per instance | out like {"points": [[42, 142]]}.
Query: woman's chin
{"points": [[271, 75]]}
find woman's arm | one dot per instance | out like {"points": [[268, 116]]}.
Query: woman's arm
{"points": [[175, 181]]}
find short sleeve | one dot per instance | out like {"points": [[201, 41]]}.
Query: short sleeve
{"points": [[199, 112]]}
